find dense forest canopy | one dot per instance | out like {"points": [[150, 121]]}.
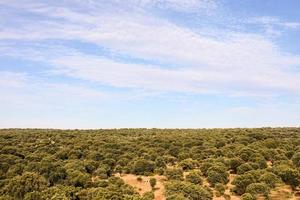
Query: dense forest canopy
{"points": [[196, 163]]}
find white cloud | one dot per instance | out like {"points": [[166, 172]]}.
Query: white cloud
{"points": [[235, 63], [181, 5], [13, 80], [234, 82], [271, 21]]}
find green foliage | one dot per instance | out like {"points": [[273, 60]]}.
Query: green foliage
{"points": [[296, 159], [194, 177], [270, 179], [187, 190], [160, 162], [143, 167], [247, 196], [148, 196], [174, 174], [220, 188], [244, 168], [188, 164], [81, 164], [177, 197], [152, 182], [217, 174], [288, 175], [27, 182], [258, 188], [234, 163], [242, 181]]}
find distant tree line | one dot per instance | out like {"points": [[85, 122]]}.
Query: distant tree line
{"points": [[80, 164]]}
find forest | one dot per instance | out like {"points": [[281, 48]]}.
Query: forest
{"points": [[146, 164]]}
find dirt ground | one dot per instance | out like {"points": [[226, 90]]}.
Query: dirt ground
{"points": [[281, 192], [144, 186]]}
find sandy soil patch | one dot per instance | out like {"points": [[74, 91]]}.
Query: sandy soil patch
{"points": [[144, 186], [284, 192]]}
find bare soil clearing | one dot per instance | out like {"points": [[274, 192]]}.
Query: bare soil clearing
{"points": [[144, 186], [283, 192]]}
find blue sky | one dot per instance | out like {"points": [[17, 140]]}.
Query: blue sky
{"points": [[149, 63]]}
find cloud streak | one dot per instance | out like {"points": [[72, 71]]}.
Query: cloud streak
{"points": [[176, 58]]}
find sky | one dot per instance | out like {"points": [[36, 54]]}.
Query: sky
{"points": [[149, 63]]}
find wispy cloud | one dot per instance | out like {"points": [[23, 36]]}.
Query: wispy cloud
{"points": [[12, 80], [234, 63], [274, 21]]}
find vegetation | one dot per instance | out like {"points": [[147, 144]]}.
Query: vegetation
{"points": [[82, 164]]}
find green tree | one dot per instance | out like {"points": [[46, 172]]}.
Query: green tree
{"points": [[270, 179], [174, 174], [143, 167], [187, 190], [194, 177], [152, 182], [160, 163], [258, 188], [242, 181], [247, 196], [27, 182], [244, 168], [296, 159], [220, 188], [217, 174], [288, 175]]}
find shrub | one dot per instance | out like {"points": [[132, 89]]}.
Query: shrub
{"points": [[148, 196], [242, 181], [296, 159], [26, 183], [142, 167], [270, 179], [174, 174], [247, 196], [152, 182], [188, 164], [217, 174], [244, 168], [288, 175], [220, 188], [187, 190], [194, 177], [234, 163], [177, 197], [258, 188], [160, 163]]}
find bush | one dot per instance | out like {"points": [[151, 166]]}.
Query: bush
{"points": [[152, 182], [142, 167], [270, 179], [174, 174], [258, 188], [148, 196], [194, 177], [217, 174], [234, 163], [242, 181], [26, 183], [247, 196], [244, 168], [288, 175], [220, 188], [160, 163], [188, 164], [176, 197], [187, 190], [296, 159]]}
